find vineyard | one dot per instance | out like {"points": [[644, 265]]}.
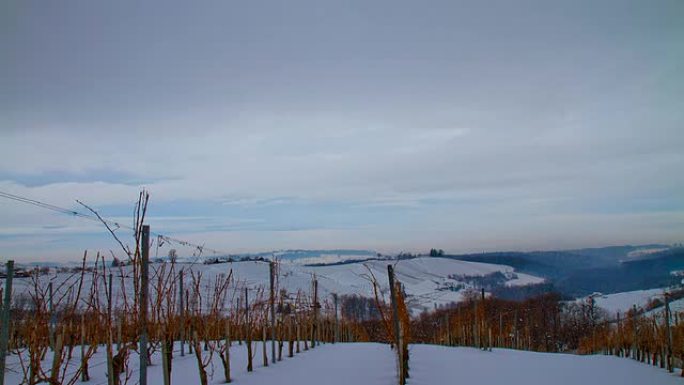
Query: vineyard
{"points": [[113, 322]]}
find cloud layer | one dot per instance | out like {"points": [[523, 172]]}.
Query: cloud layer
{"points": [[391, 125]]}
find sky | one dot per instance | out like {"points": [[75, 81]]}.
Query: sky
{"points": [[384, 125]]}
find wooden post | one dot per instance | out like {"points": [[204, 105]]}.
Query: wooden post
{"points": [[501, 335], [166, 367], [248, 336], [280, 334], [483, 320], [4, 328], [84, 362], [634, 332], [490, 340], [112, 378], [263, 339], [51, 322], [271, 268], [668, 330], [182, 315], [289, 337], [191, 332], [314, 326], [144, 274], [118, 335], [395, 314], [57, 358], [110, 296]]}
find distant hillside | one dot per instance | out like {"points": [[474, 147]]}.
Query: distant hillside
{"points": [[584, 271], [428, 282]]}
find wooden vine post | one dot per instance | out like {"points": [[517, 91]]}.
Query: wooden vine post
{"points": [[395, 316], [271, 268], [668, 332], [144, 275], [4, 328], [248, 334], [181, 309]]}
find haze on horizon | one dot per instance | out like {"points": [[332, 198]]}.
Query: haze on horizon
{"points": [[390, 125]]}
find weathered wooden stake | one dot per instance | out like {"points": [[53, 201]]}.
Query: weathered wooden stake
{"points": [[263, 339], [182, 315], [289, 337], [634, 332], [51, 322], [118, 335], [144, 274], [271, 269], [668, 330], [395, 315], [84, 362], [248, 334], [4, 328], [166, 367], [314, 323]]}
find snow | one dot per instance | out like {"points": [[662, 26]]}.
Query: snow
{"points": [[331, 258], [524, 279], [635, 254], [676, 306], [374, 364], [676, 311], [428, 281], [622, 302], [442, 365]]}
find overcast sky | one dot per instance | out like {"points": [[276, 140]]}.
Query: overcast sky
{"points": [[386, 125]]}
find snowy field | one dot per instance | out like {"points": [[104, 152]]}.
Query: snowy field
{"points": [[374, 364]]}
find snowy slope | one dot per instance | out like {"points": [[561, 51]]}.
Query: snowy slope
{"points": [[374, 364], [622, 302], [428, 281]]}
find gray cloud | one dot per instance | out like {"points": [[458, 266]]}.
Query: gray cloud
{"points": [[510, 124]]}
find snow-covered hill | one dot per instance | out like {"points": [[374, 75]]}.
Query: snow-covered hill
{"points": [[428, 281], [623, 302]]}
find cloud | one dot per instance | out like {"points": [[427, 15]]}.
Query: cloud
{"points": [[384, 126]]}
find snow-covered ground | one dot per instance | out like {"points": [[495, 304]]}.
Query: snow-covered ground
{"points": [[444, 365], [428, 281], [676, 311], [374, 364], [622, 302]]}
